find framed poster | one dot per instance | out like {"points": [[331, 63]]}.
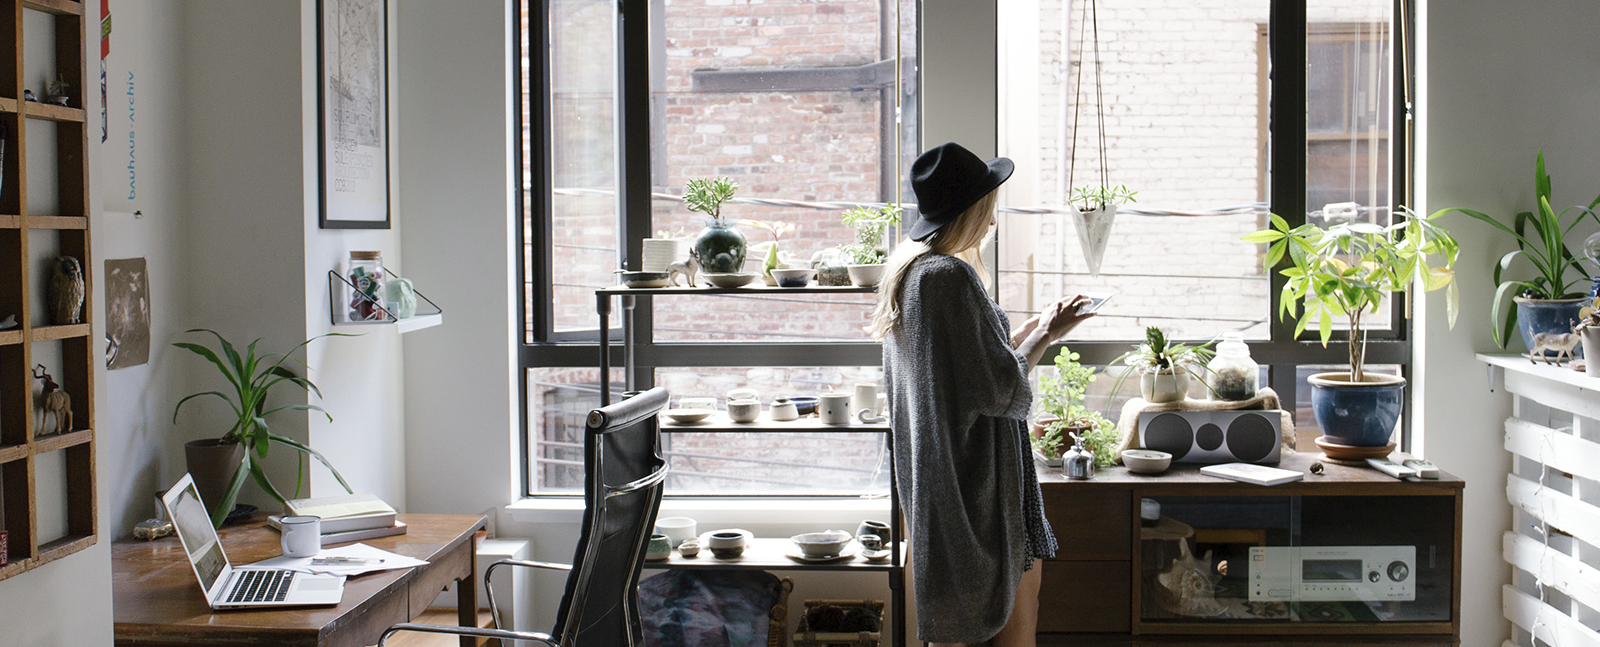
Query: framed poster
{"points": [[353, 113]]}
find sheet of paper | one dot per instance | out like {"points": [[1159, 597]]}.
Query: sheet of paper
{"points": [[389, 561]]}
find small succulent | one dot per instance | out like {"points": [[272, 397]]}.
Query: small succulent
{"points": [[1092, 197]]}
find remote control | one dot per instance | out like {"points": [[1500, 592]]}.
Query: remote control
{"points": [[1424, 468], [1392, 469]]}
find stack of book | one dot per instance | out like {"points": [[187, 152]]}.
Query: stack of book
{"points": [[348, 517]]}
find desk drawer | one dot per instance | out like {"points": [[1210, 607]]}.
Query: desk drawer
{"points": [[1090, 597], [1090, 525]]}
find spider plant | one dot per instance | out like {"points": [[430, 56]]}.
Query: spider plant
{"points": [[250, 379]]}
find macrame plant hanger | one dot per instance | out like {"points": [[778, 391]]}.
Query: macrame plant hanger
{"points": [[1094, 226]]}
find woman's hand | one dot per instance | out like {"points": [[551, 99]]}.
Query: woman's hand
{"points": [[1052, 324]]}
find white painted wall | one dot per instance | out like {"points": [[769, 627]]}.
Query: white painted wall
{"points": [[1498, 82]]}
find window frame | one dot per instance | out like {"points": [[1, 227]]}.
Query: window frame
{"points": [[541, 347]]}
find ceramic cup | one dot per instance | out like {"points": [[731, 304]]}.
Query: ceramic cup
{"points": [[726, 545], [697, 403], [302, 535], [660, 547], [677, 529], [689, 547], [834, 408], [866, 397], [784, 410], [882, 404], [744, 410], [870, 542], [743, 394], [870, 527]]}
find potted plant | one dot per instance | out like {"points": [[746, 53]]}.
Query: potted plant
{"points": [[1345, 271], [1548, 302], [1097, 210], [225, 462], [1063, 414], [1164, 368], [720, 247], [774, 259], [871, 249]]}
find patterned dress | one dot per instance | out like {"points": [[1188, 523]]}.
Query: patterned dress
{"points": [[959, 398]]}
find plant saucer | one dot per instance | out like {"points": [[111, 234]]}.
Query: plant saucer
{"points": [[849, 552], [876, 556]]}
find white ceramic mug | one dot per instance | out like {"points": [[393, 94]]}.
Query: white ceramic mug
{"points": [[302, 535], [866, 397], [834, 408]]}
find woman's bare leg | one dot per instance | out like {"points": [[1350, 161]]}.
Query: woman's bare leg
{"points": [[1022, 627]]}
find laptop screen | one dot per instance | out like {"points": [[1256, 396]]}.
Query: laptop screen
{"points": [[199, 538]]}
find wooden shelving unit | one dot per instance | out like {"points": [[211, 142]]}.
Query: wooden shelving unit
{"points": [[22, 446]]}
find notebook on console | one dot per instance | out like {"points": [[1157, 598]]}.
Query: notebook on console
{"points": [[227, 587]]}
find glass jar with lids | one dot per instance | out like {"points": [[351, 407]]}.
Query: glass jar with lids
{"points": [[367, 276]]}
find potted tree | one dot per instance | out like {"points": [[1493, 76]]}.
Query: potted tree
{"points": [[720, 247], [1344, 271], [1548, 302], [1063, 415], [221, 465], [871, 249], [1163, 367]]}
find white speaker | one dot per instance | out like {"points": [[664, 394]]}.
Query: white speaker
{"points": [[1211, 437]]}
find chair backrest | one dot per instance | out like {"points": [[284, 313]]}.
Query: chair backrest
{"points": [[624, 476]]}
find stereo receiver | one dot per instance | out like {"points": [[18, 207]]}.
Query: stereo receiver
{"points": [[1332, 573]]}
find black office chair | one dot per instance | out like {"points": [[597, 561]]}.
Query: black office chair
{"points": [[601, 604]]}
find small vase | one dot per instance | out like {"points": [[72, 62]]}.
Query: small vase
{"points": [[720, 247], [212, 463], [1157, 387], [1591, 346]]}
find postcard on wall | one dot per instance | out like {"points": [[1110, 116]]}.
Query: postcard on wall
{"points": [[353, 112], [127, 313]]}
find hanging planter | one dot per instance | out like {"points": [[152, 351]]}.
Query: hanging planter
{"points": [[1096, 207]]}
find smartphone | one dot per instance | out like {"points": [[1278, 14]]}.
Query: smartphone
{"points": [[1096, 299]]}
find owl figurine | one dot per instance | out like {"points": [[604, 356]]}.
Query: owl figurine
{"points": [[65, 296]]}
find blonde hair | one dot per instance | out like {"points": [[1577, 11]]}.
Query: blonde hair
{"points": [[960, 239]]}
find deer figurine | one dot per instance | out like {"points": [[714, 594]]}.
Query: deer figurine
{"points": [[53, 401]]}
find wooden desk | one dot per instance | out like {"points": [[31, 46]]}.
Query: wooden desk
{"points": [[157, 601]]}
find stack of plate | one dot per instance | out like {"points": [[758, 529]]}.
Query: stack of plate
{"points": [[659, 253]]}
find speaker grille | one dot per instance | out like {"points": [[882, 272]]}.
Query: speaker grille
{"points": [[1251, 437], [1169, 433], [1209, 437]]}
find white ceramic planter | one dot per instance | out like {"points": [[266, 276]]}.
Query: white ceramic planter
{"points": [[865, 276], [1591, 349], [1164, 387]]}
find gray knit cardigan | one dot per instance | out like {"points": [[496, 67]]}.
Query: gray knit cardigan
{"points": [[959, 398]]}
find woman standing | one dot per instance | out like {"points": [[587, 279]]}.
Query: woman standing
{"points": [[957, 381]]}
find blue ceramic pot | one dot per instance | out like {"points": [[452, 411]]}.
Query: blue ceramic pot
{"points": [[720, 248], [1558, 316], [1357, 415]]}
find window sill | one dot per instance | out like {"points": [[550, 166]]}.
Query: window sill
{"points": [[714, 512]]}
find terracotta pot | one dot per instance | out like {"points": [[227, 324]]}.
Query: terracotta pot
{"points": [[1039, 424], [212, 463]]}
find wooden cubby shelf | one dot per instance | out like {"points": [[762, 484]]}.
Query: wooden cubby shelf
{"points": [[21, 280], [58, 7], [36, 110]]}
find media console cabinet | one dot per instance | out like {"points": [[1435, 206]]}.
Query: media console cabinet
{"points": [[1117, 581]]}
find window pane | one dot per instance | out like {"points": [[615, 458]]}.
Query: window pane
{"points": [[776, 318], [558, 401], [1184, 125], [768, 462], [793, 100]]}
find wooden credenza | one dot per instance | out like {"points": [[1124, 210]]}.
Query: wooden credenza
{"points": [[1101, 587]]}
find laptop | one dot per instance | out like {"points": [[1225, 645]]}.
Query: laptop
{"points": [[227, 587]]}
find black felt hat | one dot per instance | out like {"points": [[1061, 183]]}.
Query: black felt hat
{"points": [[947, 179]]}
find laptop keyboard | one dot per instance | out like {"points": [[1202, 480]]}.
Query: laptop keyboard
{"points": [[260, 586]]}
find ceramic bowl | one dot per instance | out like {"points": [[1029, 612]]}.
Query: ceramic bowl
{"points": [[709, 404], [865, 276], [688, 416], [743, 393], [822, 544], [660, 547], [1146, 461], [793, 278], [744, 410], [642, 279], [871, 527], [677, 529], [804, 404], [783, 410], [689, 547], [730, 279], [726, 544]]}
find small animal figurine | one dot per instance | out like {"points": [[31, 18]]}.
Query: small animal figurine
{"points": [[28, 95], [66, 292], [687, 268], [1561, 343], [55, 92], [53, 401], [9, 322]]}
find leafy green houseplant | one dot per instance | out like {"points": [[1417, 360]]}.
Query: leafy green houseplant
{"points": [[1163, 366], [777, 228], [1344, 272], [720, 248], [867, 255], [1550, 299], [1062, 405], [250, 379]]}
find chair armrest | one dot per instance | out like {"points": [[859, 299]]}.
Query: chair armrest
{"points": [[474, 632], [488, 578]]}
